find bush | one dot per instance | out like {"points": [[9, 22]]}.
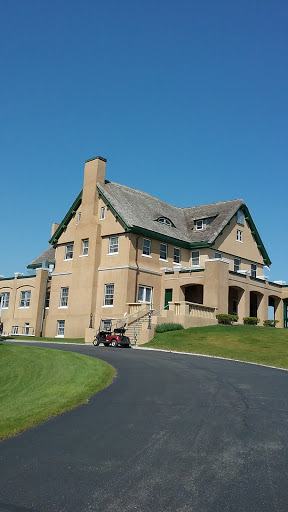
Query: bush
{"points": [[270, 323], [226, 319], [168, 327], [251, 320]]}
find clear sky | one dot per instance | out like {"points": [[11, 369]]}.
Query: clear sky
{"points": [[187, 100]]}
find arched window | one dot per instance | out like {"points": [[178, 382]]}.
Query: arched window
{"points": [[166, 221]]}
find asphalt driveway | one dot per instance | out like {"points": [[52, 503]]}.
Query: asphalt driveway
{"points": [[171, 433]]}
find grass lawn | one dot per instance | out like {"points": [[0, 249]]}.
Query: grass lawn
{"points": [[263, 345], [38, 383]]}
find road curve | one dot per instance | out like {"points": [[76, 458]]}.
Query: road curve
{"points": [[171, 433]]}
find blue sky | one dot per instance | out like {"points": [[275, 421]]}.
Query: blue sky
{"points": [[187, 101]]}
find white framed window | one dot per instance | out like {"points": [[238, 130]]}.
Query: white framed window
{"points": [[146, 251], [4, 297], [106, 325], [195, 258], [15, 329], [145, 294], [25, 299], [47, 299], [239, 236], [218, 255], [237, 264], [199, 224], [64, 297], [113, 244], [164, 220], [60, 328], [109, 294], [163, 252], [85, 245], [102, 213], [177, 255], [26, 328], [240, 217], [69, 251], [253, 269]]}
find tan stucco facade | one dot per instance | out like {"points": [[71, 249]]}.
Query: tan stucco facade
{"points": [[85, 268]]}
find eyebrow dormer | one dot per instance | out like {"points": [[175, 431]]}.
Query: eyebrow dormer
{"points": [[165, 220]]}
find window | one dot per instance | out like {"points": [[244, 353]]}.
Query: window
{"points": [[199, 224], [78, 217], [240, 217], [47, 299], [239, 236], [64, 297], [60, 328], [4, 297], [85, 244], [106, 325], [218, 255], [145, 294], [146, 247], [109, 295], [163, 252], [113, 244], [69, 251], [15, 329], [102, 214], [166, 221], [177, 255], [253, 269], [195, 258], [237, 263], [26, 328], [25, 299]]}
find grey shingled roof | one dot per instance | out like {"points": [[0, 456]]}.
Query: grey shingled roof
{"points": [[140, 209], [48, 255]]}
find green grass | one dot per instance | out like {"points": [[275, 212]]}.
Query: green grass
{"points": [[35, 338], [38, 383], [263, 345]]}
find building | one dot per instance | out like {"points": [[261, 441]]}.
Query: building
{"points": [[119, 252]]}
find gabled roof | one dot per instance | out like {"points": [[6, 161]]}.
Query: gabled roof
{"points": [[48, 255], [138, 212]]}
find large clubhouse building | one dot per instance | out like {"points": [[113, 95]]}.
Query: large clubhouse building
{"points": [[119, 253]]}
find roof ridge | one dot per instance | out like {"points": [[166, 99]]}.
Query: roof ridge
{"points": [[165, 202]]}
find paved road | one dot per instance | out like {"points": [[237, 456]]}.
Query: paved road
{"points": [[172, 433]]}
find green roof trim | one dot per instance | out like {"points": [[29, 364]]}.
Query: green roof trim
{"points": [[71, 212], [116, 215], [254, 233]]}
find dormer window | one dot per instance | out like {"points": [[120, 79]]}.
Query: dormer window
{"points": [[199, 224], [166, 221]]}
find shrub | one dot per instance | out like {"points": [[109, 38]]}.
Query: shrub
{"points": [[270, 323], [168, 327], [226, 319], [251, 320]]}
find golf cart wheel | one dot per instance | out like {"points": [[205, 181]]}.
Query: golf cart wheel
{"points": [[114, 343]]}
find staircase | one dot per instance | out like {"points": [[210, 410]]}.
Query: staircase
{"points": [[135, 327]]}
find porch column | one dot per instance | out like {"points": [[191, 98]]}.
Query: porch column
{"points": [[279, 311], [262, 312], [243, 304]]}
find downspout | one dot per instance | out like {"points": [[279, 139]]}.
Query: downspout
{"points": [[137, 271], [44, 302]]}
